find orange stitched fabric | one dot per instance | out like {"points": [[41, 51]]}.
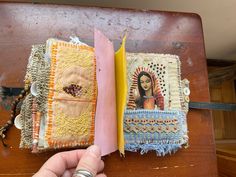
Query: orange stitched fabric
{"points": [[72, 96]]}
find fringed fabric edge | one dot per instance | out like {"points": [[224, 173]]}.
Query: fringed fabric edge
{"points": [[161, 149]]}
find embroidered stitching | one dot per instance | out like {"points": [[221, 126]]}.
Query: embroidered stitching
{"points": [[73, 89], [80, 128], [137, 120], [140, 134], [145, 127], [151, 128]]}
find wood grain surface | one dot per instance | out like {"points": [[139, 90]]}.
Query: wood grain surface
{"points": [[22, 25], [226, 157]]}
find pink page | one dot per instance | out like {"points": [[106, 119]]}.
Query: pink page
{"points": [[105, 119]]}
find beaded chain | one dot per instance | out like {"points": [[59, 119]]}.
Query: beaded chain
{"points": [[6, 127]]}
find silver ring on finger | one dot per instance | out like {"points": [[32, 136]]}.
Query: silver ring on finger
{"points": [[82, 173]]}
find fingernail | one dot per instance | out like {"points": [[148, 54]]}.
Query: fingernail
{"points": [[95, 150]]}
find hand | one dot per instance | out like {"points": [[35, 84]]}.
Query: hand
{"points": [[64, 164]]}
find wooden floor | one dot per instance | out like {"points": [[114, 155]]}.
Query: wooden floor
{"points": [[226, 158]]}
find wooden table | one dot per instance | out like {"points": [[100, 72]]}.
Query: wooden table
{"points": [[22, 25]]}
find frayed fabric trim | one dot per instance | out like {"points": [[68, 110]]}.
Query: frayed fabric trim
{"points": [[161, 149]]}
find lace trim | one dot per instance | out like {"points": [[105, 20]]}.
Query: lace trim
{"points": [[151, 128], [37, 71], [26, 122], [151, 121], [139, 126]]}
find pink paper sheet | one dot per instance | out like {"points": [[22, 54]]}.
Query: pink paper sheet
{"points": [[105, 119]]}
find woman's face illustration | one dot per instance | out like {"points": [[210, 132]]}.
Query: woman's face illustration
{"points": [[145, 82]]}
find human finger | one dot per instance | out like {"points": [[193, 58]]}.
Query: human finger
{"points": [[90, 161], [101, 175], [69, 172], [101, 166], [58, 163]]}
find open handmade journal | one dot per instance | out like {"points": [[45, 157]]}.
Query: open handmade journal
{"points": [[82, 95]]}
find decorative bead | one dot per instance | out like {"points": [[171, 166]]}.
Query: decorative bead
{"points": [[27, 81], [186, 91], [13, 103], [27, 88], [9, 122], [73, 89], [186, 98], [20, 96], [6, 126], [35, 141]]}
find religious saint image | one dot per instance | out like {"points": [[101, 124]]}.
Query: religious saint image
{"points": [[145, 92]]}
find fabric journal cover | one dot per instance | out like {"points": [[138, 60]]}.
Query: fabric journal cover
{"points": [[69, 87], [63, 109], [155, 112], [82, 95]]}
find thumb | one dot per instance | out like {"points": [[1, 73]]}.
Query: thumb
{"points": [[90, 161]]}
